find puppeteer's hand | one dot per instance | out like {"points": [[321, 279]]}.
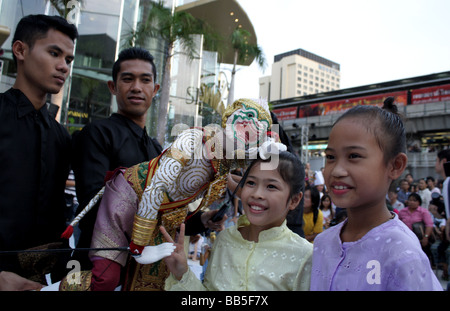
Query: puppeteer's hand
{"points": [[152, 254], [177, 261], [207, 217]]}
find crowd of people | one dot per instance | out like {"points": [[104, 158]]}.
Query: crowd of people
{"points": [[294, 233]]}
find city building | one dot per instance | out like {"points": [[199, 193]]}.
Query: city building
{"points": [[297, 73]]}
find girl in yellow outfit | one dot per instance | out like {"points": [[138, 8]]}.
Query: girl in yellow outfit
{"points": [[312, 215], [260, 252]]}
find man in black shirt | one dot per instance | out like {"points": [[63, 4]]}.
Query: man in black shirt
{"points": [[34, 148], [119, 141]]}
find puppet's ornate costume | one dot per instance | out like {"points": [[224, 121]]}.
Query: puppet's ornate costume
{"points": [[139, 199]]}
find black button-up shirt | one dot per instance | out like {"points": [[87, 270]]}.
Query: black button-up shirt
{"points": [[103, 146], [35, 160]]}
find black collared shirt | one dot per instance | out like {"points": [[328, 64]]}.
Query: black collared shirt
{"points": [[103, 146], [35, 160]]}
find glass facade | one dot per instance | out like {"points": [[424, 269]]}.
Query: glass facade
{"points": [[89, 98]]}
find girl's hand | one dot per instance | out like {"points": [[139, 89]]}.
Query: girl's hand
{"points": [[177, 261]]}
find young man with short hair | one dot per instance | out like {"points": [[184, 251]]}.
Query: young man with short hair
{"points": [[35, 148], [118, 141]]}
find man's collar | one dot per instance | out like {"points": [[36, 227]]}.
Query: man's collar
{"points": [[136, 129], [24, 106], [45, 115]]}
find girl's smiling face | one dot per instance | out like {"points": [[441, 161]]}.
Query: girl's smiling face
{"points": [[266, 198], [355, 170]]}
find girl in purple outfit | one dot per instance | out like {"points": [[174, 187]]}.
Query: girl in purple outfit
{"points": [[372, 249]]}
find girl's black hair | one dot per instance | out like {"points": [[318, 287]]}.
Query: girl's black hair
{"points": [[386, 125]]}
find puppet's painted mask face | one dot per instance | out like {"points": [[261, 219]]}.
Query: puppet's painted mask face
{"points": [[246, 123]]}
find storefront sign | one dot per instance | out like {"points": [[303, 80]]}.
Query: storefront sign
{"points": [[340, 106], [286, 113], [428, 95]]}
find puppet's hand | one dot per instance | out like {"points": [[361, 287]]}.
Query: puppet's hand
{"points": [[152, 254]]}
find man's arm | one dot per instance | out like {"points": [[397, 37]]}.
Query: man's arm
{"points": [[90, 163]]}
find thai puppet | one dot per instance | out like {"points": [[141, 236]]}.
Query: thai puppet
{"points": [[136, 201]]}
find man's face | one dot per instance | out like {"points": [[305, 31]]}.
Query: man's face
{"points": [[439, 166], [392, 196], [422, 184], [47, 64], [404, 185], [135, 88]]}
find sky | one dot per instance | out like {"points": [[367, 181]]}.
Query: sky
{"points": [[372, 40]]}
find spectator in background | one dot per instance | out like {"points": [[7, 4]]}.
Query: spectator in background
{"points": [[409, 178], [414, 188], [440, 185], [393, 199], [431, 183], [312, 215], [319, 183], [418, 219], [195, 246], [403, 193], [326, 207], [425, 193], [308, 172]]}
